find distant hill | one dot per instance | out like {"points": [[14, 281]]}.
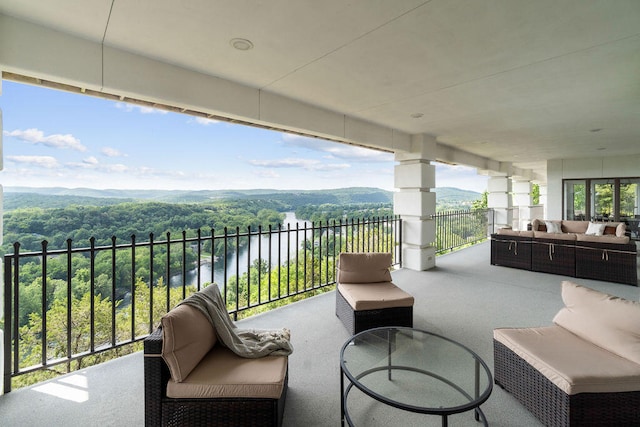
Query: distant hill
{"points": [[57, 197], [451, 195]]}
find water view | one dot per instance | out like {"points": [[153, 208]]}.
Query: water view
{"points": [[246, 255]]}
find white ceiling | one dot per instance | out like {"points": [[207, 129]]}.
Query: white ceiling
{"points": [[516, 81]]}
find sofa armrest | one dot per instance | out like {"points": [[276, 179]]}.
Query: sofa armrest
{"points": [[156, 376]]}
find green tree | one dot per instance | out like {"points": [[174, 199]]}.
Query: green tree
{"points": [[482, 202]]}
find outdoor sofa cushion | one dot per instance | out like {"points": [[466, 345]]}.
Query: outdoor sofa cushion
{"points": [[187, 338], [573, 364], [374, 296], [364, 268], [610, 322], [223, 374]]}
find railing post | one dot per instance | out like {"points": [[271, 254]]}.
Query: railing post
{"points": [[8, 321], [43, 337]]}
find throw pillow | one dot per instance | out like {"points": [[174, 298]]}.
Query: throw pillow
{"points": [[553, 227], [595, 229]]}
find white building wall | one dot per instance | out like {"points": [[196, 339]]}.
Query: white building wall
{"points": [[590, 168], [1, 260]]}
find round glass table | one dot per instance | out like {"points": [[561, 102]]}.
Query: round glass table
{"points": [[414, 370]]}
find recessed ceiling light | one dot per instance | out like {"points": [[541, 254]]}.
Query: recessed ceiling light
{"points": [[241, 44], [601, 148], [416, 115], [596, 130]]}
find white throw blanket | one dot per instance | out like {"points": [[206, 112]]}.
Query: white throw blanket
{"points": [[249, 343]]}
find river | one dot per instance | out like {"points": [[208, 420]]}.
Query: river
{"points": [[244, 256]]}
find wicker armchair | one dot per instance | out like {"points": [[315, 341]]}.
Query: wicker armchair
{"points": [[161, 410], [192, 379], [584, 370], [365, 296]]}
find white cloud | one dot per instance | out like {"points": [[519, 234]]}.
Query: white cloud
{"points": [[307, 164], [90, 160], [47, 162], [36, 136], [204, 121], [351, 153], [460, 177], [139, 108], [112, 152], [268, 174], [284, 163]]}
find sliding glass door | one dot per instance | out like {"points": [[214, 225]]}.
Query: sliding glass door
{"points": [[602, 199], [575, 199], [611, 199]]}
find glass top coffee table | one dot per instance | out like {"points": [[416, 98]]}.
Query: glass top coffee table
{"points": [[415, 371]]}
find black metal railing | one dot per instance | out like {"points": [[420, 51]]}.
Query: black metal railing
{"points": [[80, 304], [457, 229]]}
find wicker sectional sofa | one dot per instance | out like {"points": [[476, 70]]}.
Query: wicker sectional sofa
{"points": [[573, 249], [584, 370]]}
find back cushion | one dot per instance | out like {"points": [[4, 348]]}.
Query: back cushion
{"points": [[187, 336], [575, 226], [607, 321], [364, 267]]}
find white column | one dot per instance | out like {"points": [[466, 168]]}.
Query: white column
{"points": [[414, 177], [1, 265], [499, 199], [523, 199]]}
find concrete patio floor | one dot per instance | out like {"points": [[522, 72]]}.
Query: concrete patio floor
{"points": [[463, 298]]}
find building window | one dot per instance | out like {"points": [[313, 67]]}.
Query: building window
{"points": [[611, 199]]}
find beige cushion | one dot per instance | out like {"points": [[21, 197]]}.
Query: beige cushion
{"points": [[221, 373], [537, 224], [577, 227], [374, 296], [555, 236], [187, 336], [508, 232], [571, 363], [609, 238], [364, 267], [608, 321], [512, 232]]}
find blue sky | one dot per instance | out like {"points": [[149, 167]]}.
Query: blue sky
{"points": [[59, 139]]}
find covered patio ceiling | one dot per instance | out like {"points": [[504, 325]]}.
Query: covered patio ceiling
{"points": [[512, 81]]}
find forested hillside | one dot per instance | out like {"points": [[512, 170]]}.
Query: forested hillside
{"points": [[58, 214]]}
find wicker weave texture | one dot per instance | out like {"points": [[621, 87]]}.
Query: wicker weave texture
{"points": [[163, 411], [511, 251], [553, 256], [615, 264], [358, 321], [552, 406]]}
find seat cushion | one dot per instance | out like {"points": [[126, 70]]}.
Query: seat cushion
{"points": [[555, 236], [608, 321], [569, 362], [187, 336], [221, 373], [364, 267], [608, 238], [373, 296]]}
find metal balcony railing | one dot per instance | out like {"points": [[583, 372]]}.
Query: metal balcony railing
{"points": [[456, 229], [67, 308]]}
